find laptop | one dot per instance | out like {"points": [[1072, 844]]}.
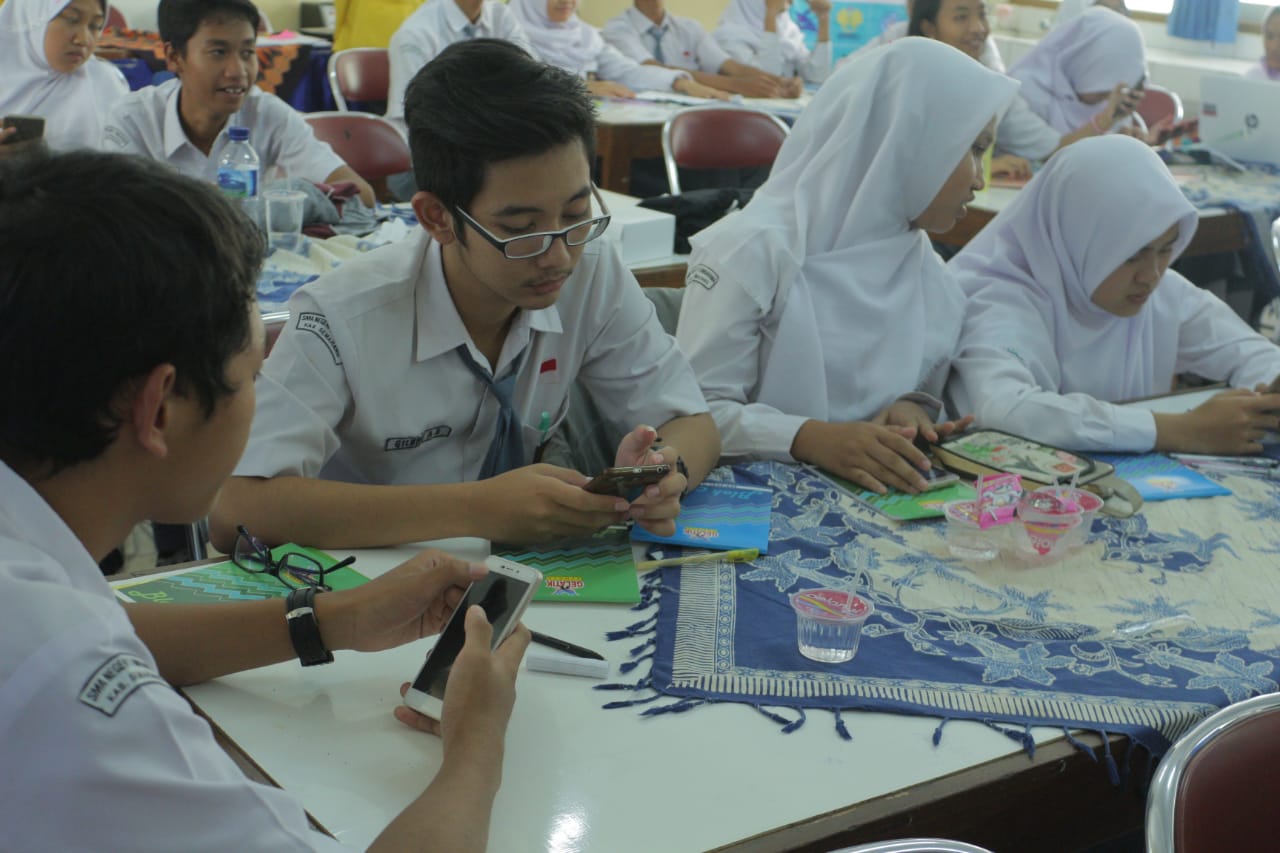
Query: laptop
{"points": [[1240, 118]]}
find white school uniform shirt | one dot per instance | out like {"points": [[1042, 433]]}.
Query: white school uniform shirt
{"points": [[577, 47], [365, 385], [1037, 357], [818, 300], [1024, 134], [685, 44], [72, 105], [98, 751], [147, 122], [990, 52], [434, 26], [782, 52]]}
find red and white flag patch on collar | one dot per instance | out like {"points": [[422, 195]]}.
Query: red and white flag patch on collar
{"points": [[547, 366]]}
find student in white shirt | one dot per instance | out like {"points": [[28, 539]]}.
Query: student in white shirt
{"points": [[989, 55], [761, 33], [651, 35], [814, 315], [1268, 68], [434, 26], [1072, 307], [564, 40], [47, 68], [135, 406], [211, 46], [414, 386]]}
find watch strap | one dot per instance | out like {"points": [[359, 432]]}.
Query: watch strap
{"points": [[304, 628]]}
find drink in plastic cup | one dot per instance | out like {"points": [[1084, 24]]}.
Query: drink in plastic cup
{"points": [[829, 623], [966, 540], [284, 212]]}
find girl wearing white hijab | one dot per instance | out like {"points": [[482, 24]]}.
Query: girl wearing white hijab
{"points": [[812, 315], [564, 40], [1072, 307], [47, 68], [760, 33]]}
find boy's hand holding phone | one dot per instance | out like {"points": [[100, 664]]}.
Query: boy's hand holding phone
{"points": [[540, 502], [657, 507]]}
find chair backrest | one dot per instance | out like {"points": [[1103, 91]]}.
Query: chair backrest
{"points": [[274, 322], [1216, 787], [1159, 103], [720, 138], [116, 19], [369, 144], [359, 74], [915, 845]]}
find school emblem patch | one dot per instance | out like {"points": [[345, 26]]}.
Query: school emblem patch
{"points": [[318, 325], [703, 275]]}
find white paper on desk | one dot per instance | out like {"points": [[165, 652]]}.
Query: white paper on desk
{"points": [[672, 98]]}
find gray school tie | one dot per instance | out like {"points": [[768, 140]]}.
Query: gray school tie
{"points": [[658, 32], [469, 31], [506, 451]]}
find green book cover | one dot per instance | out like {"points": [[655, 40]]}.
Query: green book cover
{"points": [[595, 568], [227, 582], [901, 506]]}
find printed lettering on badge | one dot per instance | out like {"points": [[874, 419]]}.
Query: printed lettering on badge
{"points": [[409, 442], [115, 681], [703, 275], [318, 325]]}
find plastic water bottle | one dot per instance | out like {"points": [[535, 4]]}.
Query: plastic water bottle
{"points": [[238, 169]]}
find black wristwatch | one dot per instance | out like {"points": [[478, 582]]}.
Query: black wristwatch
{"points": [[304, 629]]}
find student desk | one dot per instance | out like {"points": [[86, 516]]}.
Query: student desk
{"points": [[578, 777]]}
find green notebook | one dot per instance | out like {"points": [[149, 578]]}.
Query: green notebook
{"points": [[227, 582], [901, 506], [594, 568]]}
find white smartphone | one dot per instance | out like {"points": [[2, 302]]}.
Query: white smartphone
{"points": [[504, 593]]}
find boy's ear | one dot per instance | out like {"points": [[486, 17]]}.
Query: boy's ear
{"points": [[434, 216], [149, 409], [173, 59]]}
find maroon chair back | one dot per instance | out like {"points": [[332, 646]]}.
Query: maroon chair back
{"points": [[274, 324], [720, 138], [1158, 104], [1229, 788], [369, 144], [115, 19], [359, 74]]}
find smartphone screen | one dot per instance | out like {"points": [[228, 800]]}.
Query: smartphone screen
{"points": [[500, 596], [29, 127]]}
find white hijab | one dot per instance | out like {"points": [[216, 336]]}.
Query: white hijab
{"points": [[73, 105], [572, 45], [1091, 53], [1038, 263], [869, 305], [743, 21]]}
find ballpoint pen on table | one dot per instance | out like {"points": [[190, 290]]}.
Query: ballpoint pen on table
{"points": [[1209, 459], [564, 646], [731, 556], [1271, 472]]}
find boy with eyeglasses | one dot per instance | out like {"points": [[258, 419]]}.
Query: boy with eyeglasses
{"points": [[413, 388]]}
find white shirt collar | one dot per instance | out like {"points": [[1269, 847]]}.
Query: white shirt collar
{"points": [[174, 135], [641, 21], [456, 20], [26, 516]]}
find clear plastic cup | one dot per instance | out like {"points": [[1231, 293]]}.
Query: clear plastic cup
{"points": [[829, 623], [285, 210], [1048, 519], [966, 540]]}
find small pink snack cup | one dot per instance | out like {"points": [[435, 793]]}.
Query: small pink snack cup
{"points": [[1050, 517], [997, 496], [1089, 505], [829, 623]]}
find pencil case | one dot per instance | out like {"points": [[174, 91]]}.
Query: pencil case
{"points": [[991, 451]]}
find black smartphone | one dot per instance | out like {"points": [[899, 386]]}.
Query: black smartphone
{"points": [[29, 128], [627, 481]]}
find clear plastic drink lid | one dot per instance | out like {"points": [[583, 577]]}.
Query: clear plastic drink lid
{"points": [[834, 605]]}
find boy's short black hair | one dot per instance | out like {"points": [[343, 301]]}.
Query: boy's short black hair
{"points": [[178, 20], [110, 266], [484, 101], [921, 11]]}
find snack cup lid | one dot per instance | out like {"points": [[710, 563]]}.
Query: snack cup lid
{"points": [[831, 605], [962, 512]]}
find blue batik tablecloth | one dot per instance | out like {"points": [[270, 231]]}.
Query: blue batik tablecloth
{"points": [[1159, 620]]}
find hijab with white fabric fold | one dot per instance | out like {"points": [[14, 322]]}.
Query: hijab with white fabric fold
{"points": [[73, 105], [1091, 53], [869, 306], [743, 20], [1037, 264], [572, 45]]}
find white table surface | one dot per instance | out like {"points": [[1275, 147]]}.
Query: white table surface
{"points": [[576, 777], [996, 199]]}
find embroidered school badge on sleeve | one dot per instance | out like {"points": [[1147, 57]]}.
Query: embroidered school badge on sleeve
{"points": [[318, 325], [703, 275], [115, 681]]}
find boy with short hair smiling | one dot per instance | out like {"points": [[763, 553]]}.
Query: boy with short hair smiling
{"points": [[210, 45]]}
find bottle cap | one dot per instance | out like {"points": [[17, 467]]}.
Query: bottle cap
{"points": [[238, 134]]}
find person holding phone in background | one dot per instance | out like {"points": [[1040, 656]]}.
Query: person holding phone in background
{"points": [[819, 319], [414, 386], [47, 69], [1268, 68], [1073, 308], [760, 33], [211, 46], [102, 430]]}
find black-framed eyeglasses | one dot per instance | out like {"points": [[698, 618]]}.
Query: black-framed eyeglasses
{"points": [[293, 570], [531, 245]]}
